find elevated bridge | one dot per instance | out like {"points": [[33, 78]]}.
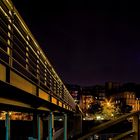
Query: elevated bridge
{"points": [[25, 67], [28, 82]]}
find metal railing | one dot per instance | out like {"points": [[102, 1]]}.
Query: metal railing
{"points": [[20, 51]]}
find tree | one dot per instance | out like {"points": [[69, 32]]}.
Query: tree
{"points": [[108, 110]]}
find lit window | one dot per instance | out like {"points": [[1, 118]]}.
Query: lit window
{"points": [[8, 41], [10, 12], [27, 37], [9, 27], [8, 51], [9, 35]]}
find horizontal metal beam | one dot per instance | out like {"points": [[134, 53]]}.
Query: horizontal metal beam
{"points": [[14, 103], [11, 95], [123, 135]]}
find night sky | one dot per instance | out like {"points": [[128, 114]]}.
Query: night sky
{"points": [[87, 43]]}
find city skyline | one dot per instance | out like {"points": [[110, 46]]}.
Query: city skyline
{"points": [[87, 43]]}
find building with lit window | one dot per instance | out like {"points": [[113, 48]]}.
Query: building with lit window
{"points": [[75, 91], [126, 97], [86, 102], [90, 96], [126, 94]]}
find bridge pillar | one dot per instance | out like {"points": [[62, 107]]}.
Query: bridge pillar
{"points": [[40, 127], [37, 127], [136, 127], [65, 126], [50, 126], [7, 126]]}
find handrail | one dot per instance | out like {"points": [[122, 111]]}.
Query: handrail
{"points": [[107, 124], [32, 57]]}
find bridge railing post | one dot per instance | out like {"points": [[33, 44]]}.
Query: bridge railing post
{"points": [[135, 127]]}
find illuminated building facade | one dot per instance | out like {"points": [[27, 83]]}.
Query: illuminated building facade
{"points": [[137, 104], [87, 101], [90, 96], [17, 116], [126, 94], [127, 97], [75, 92]]}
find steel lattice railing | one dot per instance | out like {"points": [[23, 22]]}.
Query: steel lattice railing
{"points": [[20, 51]]}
